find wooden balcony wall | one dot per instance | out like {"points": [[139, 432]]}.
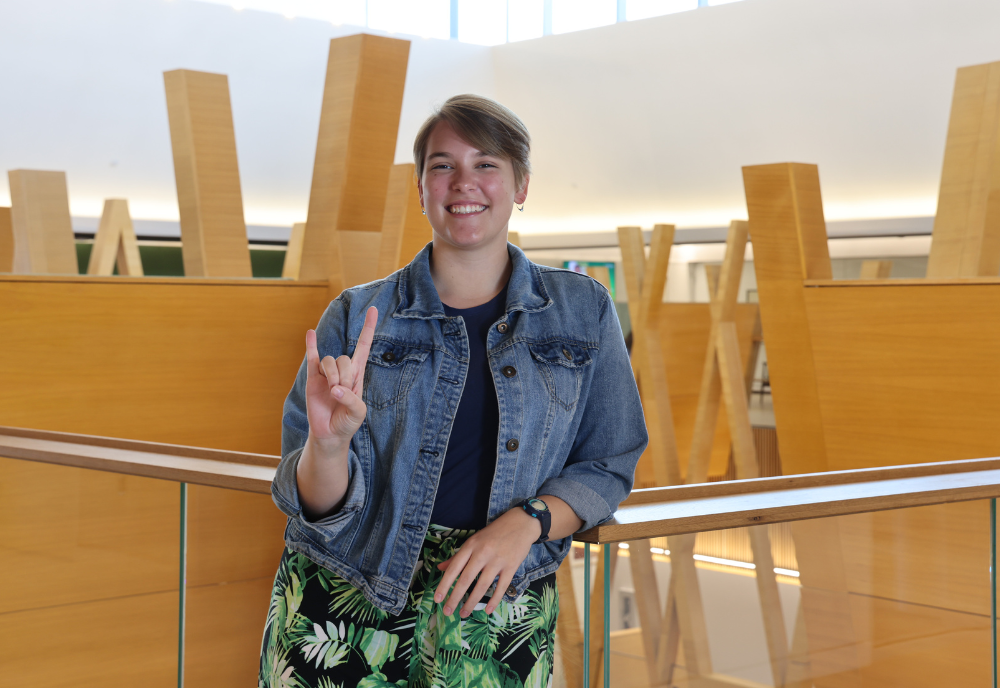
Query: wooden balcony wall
{"points": [[91, 558]]}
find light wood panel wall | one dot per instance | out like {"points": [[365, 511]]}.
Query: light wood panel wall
{"points": [[882, 374], [213, 230], [115, 242], [43, 231], [6, 241], [293, 252], [358, 126], [405, 229], [966, 238], [92, 557]]}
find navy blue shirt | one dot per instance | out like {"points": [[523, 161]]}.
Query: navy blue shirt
{"points": [[463, 495]]}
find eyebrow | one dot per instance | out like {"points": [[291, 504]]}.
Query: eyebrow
{"points": [[479, 154]]}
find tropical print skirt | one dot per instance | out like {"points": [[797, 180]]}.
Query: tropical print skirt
{"points": [[321, 632]]}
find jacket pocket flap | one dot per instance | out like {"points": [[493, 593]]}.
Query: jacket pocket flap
{"points": [[566, 354]]}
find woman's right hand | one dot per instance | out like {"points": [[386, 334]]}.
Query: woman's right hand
{"points": [[334, 388]]}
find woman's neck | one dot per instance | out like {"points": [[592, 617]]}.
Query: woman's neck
{"points": [[467, 278]]}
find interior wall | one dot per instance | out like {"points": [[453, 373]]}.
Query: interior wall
{"points": [[632, 123]]}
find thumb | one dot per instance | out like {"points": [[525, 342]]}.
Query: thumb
{"points": [[352, 404]]}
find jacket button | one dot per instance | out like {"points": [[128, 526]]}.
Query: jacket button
{"points": [[567, 354], [388, 357], [509, 371], [502, 328], [511, 591], [511, 445]]}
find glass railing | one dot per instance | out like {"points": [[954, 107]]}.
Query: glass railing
{"points": [[867, 578]]}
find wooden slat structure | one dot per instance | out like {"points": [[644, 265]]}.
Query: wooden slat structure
{"points": [[354, 155], [876, 269], [115, 243], [40, 220], [213, 231], [874, 373], [966, 239], [6, 241], [405, 229], [293, 252]]}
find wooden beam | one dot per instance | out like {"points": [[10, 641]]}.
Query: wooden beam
{"points": [[6, 241], [293, 253], [115, 243], [514, 238], [602, 274], [42, 229], [213, 231], [966, 237], [359, 123], [876, 269], [405, 229], [568, 626]]}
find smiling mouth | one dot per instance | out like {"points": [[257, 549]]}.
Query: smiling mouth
{"points": [[466, 209]]}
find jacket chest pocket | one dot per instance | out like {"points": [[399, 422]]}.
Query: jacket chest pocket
{"points": [[391, 369], [561, 365]]}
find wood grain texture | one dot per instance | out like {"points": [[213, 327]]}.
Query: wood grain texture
{"points": [[876, 269], [966, 237], [120, 641], [115, 242], [43, 231], [405, 229], [358, 127], [6, 241], [569, 631], [160, 360], [293, 252], [213, 231]]}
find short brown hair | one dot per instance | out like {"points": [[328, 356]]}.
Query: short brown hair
{"points": [[485, 124]]}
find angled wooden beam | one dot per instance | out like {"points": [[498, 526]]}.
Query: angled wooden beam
{"points": [[602, 274], [6, 241], [966, 237], [115, 242], [358, 128], [876, 269], [42, 228], [213, 231], [293, 252], [790, 246], [568, 626], [514, 238], [405, 229]]}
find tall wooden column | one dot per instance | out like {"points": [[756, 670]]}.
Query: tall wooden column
{"points": [[966, 239], [358, 128], [115, 243], [405, 229], [42, 229], [213, 232], [6, 241], [788, 231]]}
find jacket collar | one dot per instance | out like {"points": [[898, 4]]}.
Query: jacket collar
{"points": [[418, 298]]}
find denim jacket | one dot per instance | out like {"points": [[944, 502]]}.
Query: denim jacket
{"points": [[571, 423]]}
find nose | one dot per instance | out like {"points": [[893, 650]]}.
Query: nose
{"points": [[463, 179]]}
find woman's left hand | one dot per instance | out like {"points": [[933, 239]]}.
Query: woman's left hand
{"points": [[495, 551]]}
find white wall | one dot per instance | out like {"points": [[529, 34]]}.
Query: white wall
{"points": [[632, 123], [651, 121], [82, 91]]}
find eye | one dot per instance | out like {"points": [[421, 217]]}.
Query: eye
{"points": [[441, 166], [488, 164]]}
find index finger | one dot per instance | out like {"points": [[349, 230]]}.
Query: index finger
{"points": [[360, 358]]}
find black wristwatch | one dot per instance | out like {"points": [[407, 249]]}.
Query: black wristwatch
{"points": [[536, 508]]}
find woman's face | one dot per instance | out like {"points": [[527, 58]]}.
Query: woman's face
{"points": [[467, 194]]}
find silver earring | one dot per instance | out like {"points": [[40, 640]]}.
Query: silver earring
{"points": [[423, 211], [520, 208]]}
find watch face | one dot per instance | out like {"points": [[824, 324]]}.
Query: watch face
{"points": [[538, 504]]}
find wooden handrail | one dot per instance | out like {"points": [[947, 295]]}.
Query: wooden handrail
{"points": [[646, 513], [195, 465], [732, 504]]}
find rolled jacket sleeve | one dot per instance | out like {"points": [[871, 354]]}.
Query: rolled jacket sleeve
{"points": [[611, 436], [331, 341]]}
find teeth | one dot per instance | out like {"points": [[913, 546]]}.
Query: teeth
{"points": [[465, 209]]}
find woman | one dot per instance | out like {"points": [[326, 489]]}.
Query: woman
{"points": [[450, 428]]}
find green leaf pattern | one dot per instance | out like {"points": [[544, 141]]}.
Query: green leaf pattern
{"points": [[429, 649]]}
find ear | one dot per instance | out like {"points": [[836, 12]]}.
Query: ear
{"points": [[420, 192], [522, 193]]}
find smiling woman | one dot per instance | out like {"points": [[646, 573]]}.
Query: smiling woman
{"points": [[437, 460]]}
